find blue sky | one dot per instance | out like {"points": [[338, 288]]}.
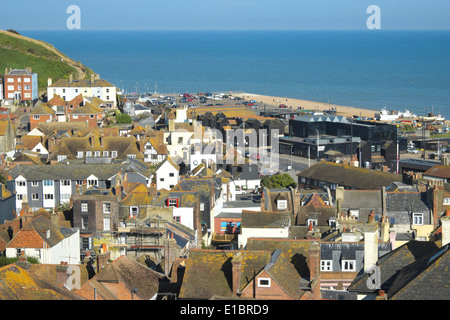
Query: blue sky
{"points": [[225, 14]]}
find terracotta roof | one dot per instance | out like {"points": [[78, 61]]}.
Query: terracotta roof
{"points": [[56, 101], [43, 109]]}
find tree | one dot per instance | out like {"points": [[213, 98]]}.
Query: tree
{"points": [[283, 180], [123, 118]]}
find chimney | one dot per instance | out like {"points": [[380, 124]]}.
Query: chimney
{"points": [[445, 221], [437, 195], [384, 228], [70, 78], [49, 82], [55, 219], [392, 236], [92, 78], [102, 259], [23, 262], [381, 295], [383, 201], [169, 255], [61, 273], [370, 245], [236, 272], [171, 125], [314, 269]]}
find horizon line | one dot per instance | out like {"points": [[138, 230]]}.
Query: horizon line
{"points": [[234, 30]]}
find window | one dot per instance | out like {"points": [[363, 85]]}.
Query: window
{"points": [[132, 156], [106, 207], [114, 154], [180, 140], [418, 219], [105, 153], [264, 282], [348, 265], [202, 207], [21, 183], [61, 157], [65, 196], [84, 223], [86, 243], [354, 213], [282, 204], [91, 116], [134, 211], [19, 196], [161, 179], [34, 183], [48, 183], [325, 265], [88, 154], [48, 196], [446, 201], [172, 202], [106, 223], [10, 79], [92, 182], [79, 154], [35, 196], [171, 174], [313, 221], [84, 207], [177, 219], [18, 252], [97, 154], [27, 87]]}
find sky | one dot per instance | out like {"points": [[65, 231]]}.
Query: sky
{"points": [[225, 14]]}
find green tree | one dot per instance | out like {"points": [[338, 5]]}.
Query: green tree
{"points": [[283, 180], [123, 118]]}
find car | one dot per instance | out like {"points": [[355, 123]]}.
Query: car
{"points": [[241, 192], [412, 151]]}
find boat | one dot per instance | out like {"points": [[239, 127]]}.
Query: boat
{"points": [[386, 115]]}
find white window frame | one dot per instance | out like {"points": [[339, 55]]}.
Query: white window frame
{"points": [[106, 207], [106, 223], [35, 196], [281, 204], [348, 265], [418, 219], [134, 208], [326, 265], [264, 285], [84, 207], [34, 183]]}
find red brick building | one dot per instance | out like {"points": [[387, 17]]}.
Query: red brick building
{"points": [[20, 84], [42, 113]]}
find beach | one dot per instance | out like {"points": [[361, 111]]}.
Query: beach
{"points": [[273, 102]]}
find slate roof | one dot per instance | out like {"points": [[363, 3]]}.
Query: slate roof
{"points": [[84, 83], [392, 263], [399, 207], [74, 171], [349, 176], [438, 171], [425, 279], [256, 219]]}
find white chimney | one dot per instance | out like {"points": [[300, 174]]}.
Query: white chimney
{"points": [[445, 221], [49, 82], [370, 245]]}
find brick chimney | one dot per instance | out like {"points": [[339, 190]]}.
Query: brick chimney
{"points": [[445, 221], [170, 254], [102, 258], [437, 197], [61, 273], [23, 262], [314, 269], [236, 272]]}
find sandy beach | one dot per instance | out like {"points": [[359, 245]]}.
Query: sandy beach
{"points": [[274, 102]]}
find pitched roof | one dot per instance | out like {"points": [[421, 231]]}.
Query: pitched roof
{"points": [[392, 263], [84, 83], [350, 176], [438, 171], [217, 265], [20, 284], [116, 279], [43, 109]]}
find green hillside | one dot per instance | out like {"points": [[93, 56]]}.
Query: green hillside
{"points": [[19, 52]]}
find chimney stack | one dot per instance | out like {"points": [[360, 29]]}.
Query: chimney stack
{"points": [[370, 245], [102, 258], [314, 269], [169, 254], [49, 82], [70, 78], [236, 263], [383, 201], [445, 221], [92, 78]]}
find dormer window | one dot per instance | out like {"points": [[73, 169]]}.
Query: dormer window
{"points": [[282, 204], [172, 202]]}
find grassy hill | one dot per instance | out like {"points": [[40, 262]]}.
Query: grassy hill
{"points": [[18, 52]]}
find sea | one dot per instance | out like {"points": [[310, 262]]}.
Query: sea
{"points": [[373, 69]]}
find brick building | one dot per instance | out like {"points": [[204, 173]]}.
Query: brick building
{"points": [[21, 84]]}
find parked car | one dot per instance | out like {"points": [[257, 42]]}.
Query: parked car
{"points": [[412, 151], [241, 192]]}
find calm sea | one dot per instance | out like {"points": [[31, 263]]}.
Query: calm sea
{"points": [[369, 69]]}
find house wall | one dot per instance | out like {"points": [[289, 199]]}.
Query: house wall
{"points": [[163, 172], [247, 233], [273, 292], [69, 93], [186, 216], [42, 119]]}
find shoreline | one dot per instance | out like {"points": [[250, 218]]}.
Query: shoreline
{"points": [[274, 102]]}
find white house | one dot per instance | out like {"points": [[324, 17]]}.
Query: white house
{"points": [[275, 225], [167, 174], [50, 244], [68, 89]]}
